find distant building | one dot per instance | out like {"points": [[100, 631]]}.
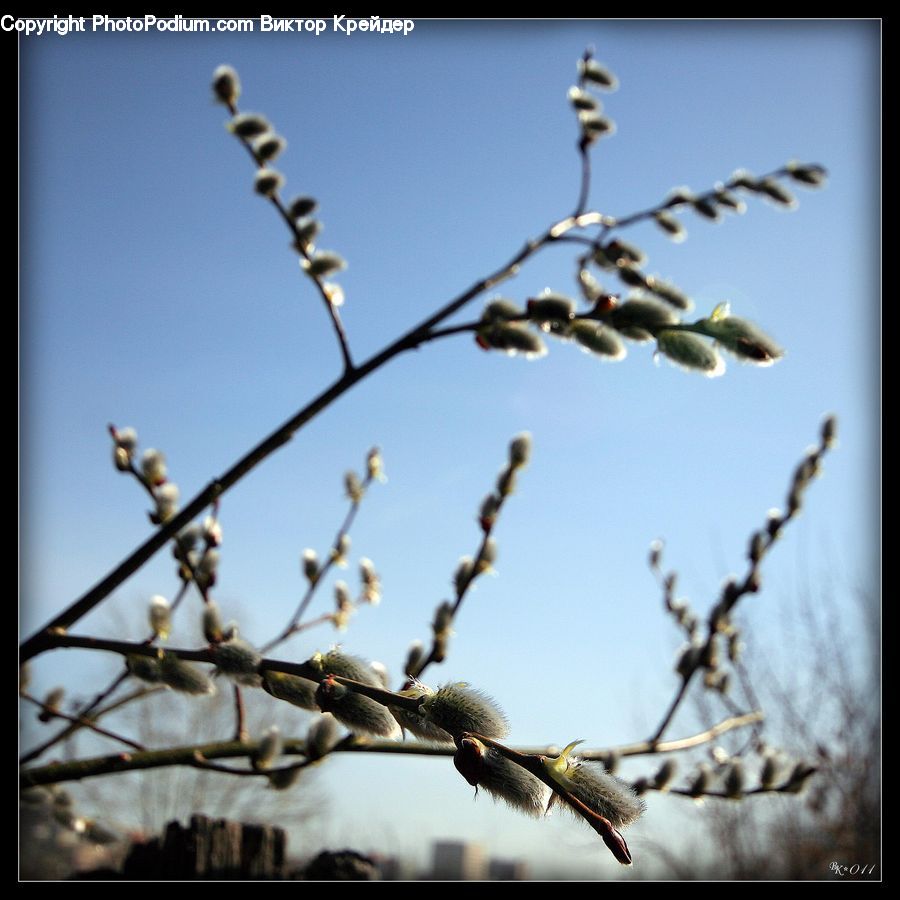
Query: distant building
{"points": [[456, 861], [508, 870]]}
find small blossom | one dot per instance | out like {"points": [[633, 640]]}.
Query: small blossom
{"points": [[463, 574], [212, 532], [375, 465], [207, 569], [590, 70]]}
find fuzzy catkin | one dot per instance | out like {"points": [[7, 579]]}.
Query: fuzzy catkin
{"points": [[458, 708]]}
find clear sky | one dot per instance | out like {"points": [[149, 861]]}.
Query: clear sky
{"points": [[157, 291]]}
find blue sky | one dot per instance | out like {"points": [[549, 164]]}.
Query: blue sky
{"points": [[157, 291]]}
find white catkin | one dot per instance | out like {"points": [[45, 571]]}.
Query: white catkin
{"points": [[504, 780], [458, 708], [605, 794]]}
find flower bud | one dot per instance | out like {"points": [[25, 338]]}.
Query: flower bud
{"points": [[306, 231], [801, 773], [706, 208], [769, 773], [207, 569], [776, 192], [829, 432], [340, 550], [504, 780], [734, 780], [212, 532], [669, 293], [282, 779], [181, 676], [153, 467], [730, 201], [594, 126], [324, 263], [145, 668], [807, 174], [414, 657], [268, 146], [583, 101], [598, 339], [249, 125], [487, 514], [302, 206], [500, 310], [458, 708], [226, 85], [690, 352], [487, 557], [268, 750], [664, 775], [463, 575], [702, 779], [513, 339], [740, 337], [637, 317], [506, 481], [160, 615], [601, 792], [310, 564], [212, 623], [239, 661], [166, 502], [353, 487], [267, 182], [371, 583], [551, 311], [52, 702], [520, 450], [321, 737], [290, 688], [670, 225], [375, 465], [360, 714], [591, 71]]}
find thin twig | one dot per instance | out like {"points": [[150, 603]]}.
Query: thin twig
{"points": [[82, 722]]}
